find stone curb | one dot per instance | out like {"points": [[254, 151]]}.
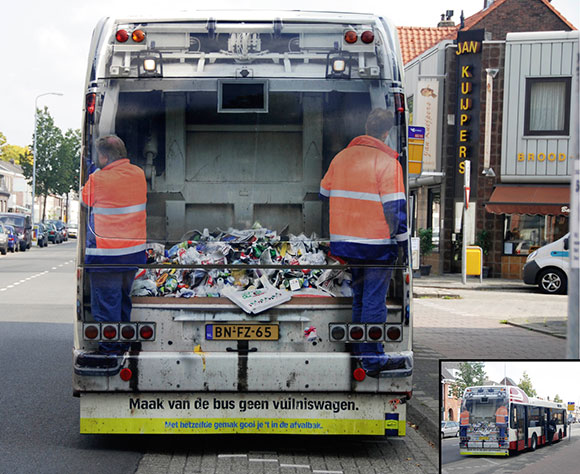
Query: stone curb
{"points": [[531, 328], [425, 420]]}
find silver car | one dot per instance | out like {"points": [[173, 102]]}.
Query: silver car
{"points": [[449, 428], [3, 239]]}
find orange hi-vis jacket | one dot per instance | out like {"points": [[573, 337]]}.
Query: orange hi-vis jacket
{"points": [[501, 415], [116, 196], [464, 418], [368, 215]]}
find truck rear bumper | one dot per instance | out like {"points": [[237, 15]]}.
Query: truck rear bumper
{"points": [[243, 413], [235, 372]]}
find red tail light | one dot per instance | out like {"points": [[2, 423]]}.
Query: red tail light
{"points": [[127, 332], [109, 332], [393, 333], [375, 333], [367, 37], [91, 100], [146, 332], [122, 36], [399, 102], [350, 36], [357, 332], [126, 374], [359, 374], [407, 279], [91, 332]]}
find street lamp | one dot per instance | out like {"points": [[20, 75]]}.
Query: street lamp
{"points": [[34, 153]]}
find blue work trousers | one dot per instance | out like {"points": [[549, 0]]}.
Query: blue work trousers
{"points": [[111, 302], [369, 288]]}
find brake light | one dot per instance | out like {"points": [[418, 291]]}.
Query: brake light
{"points": [[138, 36], [359, 374], [407, 278], [357, 332], [122, 36], [350, 36], [109, 332], [146, 332], [338, 333], [91, 100], [375, 333], [91, 332], [367, 37]]}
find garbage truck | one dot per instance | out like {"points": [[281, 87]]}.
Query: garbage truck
{"points": [[241, 316]]}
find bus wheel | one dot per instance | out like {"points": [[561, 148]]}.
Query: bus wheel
{"points": [[534, 442], [559, 435]]}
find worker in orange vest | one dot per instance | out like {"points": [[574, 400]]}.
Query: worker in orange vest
{"points": [[368, 224], [464, 418], [116, 197], [501, 420]]}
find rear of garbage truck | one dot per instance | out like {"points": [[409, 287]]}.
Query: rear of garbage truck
{"points": [[241, 319]]}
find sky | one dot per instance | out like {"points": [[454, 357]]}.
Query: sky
{"points": [[45, 45], [548, 378]]}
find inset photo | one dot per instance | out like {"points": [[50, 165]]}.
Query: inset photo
{"points": [[509, 416]]}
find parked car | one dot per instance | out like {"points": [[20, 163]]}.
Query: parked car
{"points": [[23, 226], [449, 428], [13, 241], [547, 267], [61, 227], [3, 240], [73, 230], [54, 235], [41, 234]]}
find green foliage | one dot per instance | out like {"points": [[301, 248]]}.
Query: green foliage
{"points": [[470, 374], [57, 158], [483, 240], [526, 385], [426, 239], [557, 399]]}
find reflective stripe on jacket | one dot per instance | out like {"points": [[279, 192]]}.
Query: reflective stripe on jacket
{"points": [[117, 198], [368, 216]]}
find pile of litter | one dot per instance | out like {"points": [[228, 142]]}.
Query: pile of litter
{"points": [[256, 246]]}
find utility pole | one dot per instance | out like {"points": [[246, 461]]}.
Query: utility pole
{"points": [[573, 351], [466, 191]]}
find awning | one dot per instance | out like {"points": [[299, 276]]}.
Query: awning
{"points": [[544, 200]]}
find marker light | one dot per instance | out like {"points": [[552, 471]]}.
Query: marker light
{"points": [[138, 36], [350, 36], [127, 332], [359, 374], [367, 37], [109, 332], [150, 64], [337, 333], [90, 101], [122, 36], [126, 374]]}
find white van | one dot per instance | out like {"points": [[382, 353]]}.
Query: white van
{"points": [[547, 267]]}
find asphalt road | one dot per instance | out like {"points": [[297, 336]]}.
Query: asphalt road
{"points": [[39, 427]]}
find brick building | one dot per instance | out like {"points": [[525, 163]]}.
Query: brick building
{"points": [[437, 92]]}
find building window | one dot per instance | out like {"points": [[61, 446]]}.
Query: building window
{"points": [[433, 214], [547, 106], [523, 233]]}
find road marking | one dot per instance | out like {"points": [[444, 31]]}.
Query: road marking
{"points": [[30, 278], [263, 460], [232, 455], [296, 466], [316, 471], [490, 461]]}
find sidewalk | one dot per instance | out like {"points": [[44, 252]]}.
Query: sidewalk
{"points": [[423, 408]]}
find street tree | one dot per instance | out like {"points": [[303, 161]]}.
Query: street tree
{"points": [[57, 159], [470, 374], [557, 399], [526, 385]]}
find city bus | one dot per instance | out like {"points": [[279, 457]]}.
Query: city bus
{"points": [[241, 318], [499, 420]]}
